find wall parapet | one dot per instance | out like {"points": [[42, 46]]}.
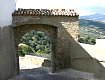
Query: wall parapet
{"points": [[45, 12]]}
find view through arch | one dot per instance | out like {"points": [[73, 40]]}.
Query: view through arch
{"points": [[35, 48], [48, 30]]}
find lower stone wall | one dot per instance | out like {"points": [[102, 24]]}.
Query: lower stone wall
{"points": [[29, 62]]}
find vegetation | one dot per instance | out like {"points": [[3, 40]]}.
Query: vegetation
{"points": [[24, 49], [38, 43], [87, 40], [94, 29], [90, 30], [35, 42], [91, 23]]}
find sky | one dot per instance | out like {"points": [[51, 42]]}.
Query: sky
{"points": [[7, 7], [82, 7]]}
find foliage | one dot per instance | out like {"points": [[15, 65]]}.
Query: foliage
{"points": [[92, 23], [21, 52], [95, 29], [24, 49], [93, 41], [87, 40], [38, 42], [81, 40]]}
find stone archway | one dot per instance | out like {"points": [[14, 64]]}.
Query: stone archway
{"points": [[66, 23], [65, 26], [50, 30], [67, 52]]}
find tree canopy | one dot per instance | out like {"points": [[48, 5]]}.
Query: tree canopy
{"points": [[38, 42]]}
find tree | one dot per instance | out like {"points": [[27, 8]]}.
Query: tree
{"points": [[87, 40], [38, 42]]}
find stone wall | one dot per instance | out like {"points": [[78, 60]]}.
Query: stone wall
{"points": [[33, 62], [7, 54], [66, 28], [67, 23], [66, 52]]}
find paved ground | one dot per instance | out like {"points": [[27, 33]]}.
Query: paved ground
{"points": [[29, 71], [42, 77], [39, 74], [45, 74]]}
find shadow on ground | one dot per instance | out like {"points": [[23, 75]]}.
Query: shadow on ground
{"points": [[44, 73], [41, 74]]}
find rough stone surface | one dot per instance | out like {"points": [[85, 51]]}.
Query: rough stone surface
{"points": [[60, 29], [44, 74], [33, 62], [7, 59], [63, 32]]}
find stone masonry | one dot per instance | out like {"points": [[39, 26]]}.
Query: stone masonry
{"points": [[61, 26]]}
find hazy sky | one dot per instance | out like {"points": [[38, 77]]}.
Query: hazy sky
{"points": [[83, 7]]}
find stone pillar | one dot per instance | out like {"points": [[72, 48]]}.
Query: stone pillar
{"points": [[7, 54], [66, 33]]}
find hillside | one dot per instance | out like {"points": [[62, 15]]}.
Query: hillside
{"points": [[92, 28]]}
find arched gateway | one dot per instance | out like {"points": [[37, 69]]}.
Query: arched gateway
{"points": [[60, 25]]}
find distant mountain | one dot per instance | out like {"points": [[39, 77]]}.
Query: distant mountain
{"points": [[92, 28], [96, 17], [92, 23]]}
